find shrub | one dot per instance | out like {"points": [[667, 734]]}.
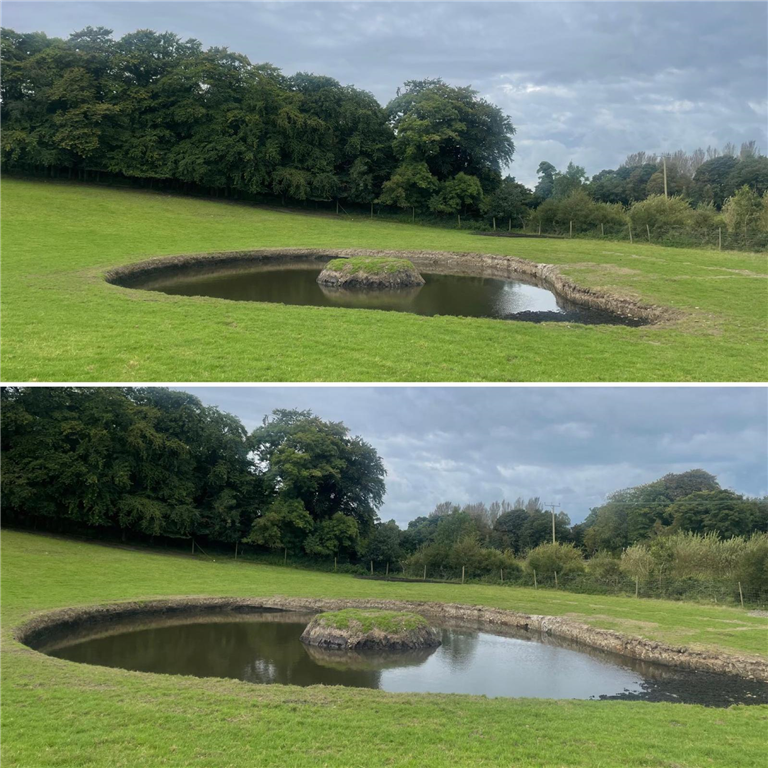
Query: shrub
{"points": [[548, 559], [659, 213]]}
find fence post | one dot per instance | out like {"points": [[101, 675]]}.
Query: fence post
{"points": [[637, 586], [510, 226], [556, 580], [539, 227], [371, 210], [535, 585], [630, 233], [719, 238], [425, 573], [193, 546], [387, 573], [462, 574], [236, 543], [502, 575], [371, 567], [494, 223], [741, 595], [648, 230], [285, 555], [334, 564], [413, 213], [602, 229], [337, 206], [458, 216], [570, 231]]}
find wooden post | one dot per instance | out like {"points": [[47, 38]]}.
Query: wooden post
{"points": [[371, 567], [719, 238], [458, 216], [502, 575], [570, 231], [193, 546], [648, 230], [535, 585], [539, 227], [741, 595], [337, 206], [387, 573], [494, 223], [637, 586], [335, 563], [510, 226], [602, 229], [285, 555], [236, 543], [425, 573], [630, 233], [413, 213], [556, 580], [371, 210], [462, 574]]}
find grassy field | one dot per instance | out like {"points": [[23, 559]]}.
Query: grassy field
{"points": [[62, 322], [57, 713]]}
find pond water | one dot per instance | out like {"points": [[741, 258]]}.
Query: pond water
{"points": [[442, 294], [265, 648]]}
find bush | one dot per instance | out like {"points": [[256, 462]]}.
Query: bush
{"points": [[605, 569], [752, 569], [548, 559], [659, 213]]}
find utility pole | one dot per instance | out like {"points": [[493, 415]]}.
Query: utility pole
{"points": [[664, 163], [553, 505]]}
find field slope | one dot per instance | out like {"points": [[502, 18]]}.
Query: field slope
{"points": [[57, 713], [62, 322]]}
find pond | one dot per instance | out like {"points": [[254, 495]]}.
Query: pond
{"points": [[443, 294], [265, 648]]}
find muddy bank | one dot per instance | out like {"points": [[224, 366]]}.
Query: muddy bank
{"points": [[488, 265], [54, 626]]}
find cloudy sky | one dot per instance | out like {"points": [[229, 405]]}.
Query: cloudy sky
{"points": [[588, 82], [568, 445]]}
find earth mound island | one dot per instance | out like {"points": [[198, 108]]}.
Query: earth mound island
{"points": [[370, 273], [370, 629]]}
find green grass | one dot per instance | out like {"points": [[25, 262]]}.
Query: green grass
{"points": [[63, 322], [369, 265], [57, 713], [393, 622]]}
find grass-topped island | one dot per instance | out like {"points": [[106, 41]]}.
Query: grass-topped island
{"points": [[370, 272], [356, 628]]}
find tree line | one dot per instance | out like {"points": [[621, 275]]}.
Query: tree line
{"points": [[154, 107], [152, 464]]}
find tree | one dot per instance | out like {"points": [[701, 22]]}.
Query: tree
{"points": [[511, 201], [567, 183], [722, 512], [743, 211], [385, 543], [457, 194], [546, 172], [314, 467]]}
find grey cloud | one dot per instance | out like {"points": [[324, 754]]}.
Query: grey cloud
{"points": [[588, 82], [572, 445]]}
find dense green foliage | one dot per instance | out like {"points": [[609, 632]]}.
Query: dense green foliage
{"points": [[158, 108], [56, 713], [158, 463]]}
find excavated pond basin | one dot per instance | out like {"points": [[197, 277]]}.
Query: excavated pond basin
{"points": [[443, 294], [264, 647]]}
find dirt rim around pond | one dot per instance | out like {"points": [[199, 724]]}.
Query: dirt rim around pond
{"points": [[54, 626], [482, 264]]}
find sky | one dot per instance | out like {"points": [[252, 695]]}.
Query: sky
{"points": [[568, 445], [582, 82]]}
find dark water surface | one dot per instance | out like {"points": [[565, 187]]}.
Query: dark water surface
{"points": [[265, 648], [443, 294]]}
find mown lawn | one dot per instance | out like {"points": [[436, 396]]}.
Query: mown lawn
{"points": [[62, 322], [57, 713]]}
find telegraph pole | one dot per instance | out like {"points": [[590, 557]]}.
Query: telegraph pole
{"points": [[553, 505]]}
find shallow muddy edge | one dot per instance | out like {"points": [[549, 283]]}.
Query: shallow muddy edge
{"points": [[55, 625], [489, 265]]}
